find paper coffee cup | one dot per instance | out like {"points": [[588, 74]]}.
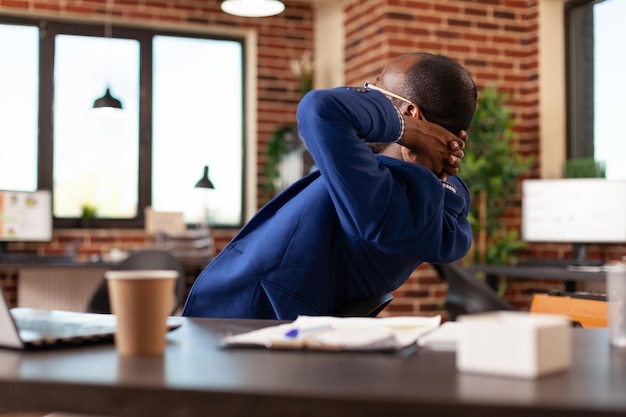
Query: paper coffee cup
{"points": [[141, 301]]}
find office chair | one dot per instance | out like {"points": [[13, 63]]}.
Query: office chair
{"points": [[365, 307], [466, 293], [583, 309], [143, 259]]}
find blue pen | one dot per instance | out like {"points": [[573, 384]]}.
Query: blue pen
{"points": [[302, 331]]}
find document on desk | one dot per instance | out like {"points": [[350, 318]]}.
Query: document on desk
{"points": [[339, 333]]}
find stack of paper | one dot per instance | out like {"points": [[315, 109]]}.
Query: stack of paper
{"points": [[336, 333]]}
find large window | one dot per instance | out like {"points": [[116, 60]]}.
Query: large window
{"points": [[197, 112], [95, 152], [596, 82], [182, 97], [19, 85]]}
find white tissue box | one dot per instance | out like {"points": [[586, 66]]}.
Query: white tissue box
{"points": [[516, 344]]}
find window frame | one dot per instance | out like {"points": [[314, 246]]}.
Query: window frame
{"points": [[48, 30], [588, 125], [579, 70]]}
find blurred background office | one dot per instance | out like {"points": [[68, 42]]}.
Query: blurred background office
{"points": [[198, 87]]}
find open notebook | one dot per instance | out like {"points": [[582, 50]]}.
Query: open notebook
{"points": [[339, 334], [27, 328]]}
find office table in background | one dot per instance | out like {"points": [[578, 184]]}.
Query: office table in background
{"points": [[538, 271], [61, 285], [198, 378]]}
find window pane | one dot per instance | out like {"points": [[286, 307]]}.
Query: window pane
{"points": [[96, 155], [197, 121], [19, 85], [610, 85]]}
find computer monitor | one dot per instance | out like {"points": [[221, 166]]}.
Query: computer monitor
{"points": [[25, 216], [578, 211]]}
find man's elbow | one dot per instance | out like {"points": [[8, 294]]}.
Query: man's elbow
{"points": [[455, 246]]}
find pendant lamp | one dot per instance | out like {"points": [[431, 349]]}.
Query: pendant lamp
{"points": [[107, 101], [253, 8], [205, 182]]}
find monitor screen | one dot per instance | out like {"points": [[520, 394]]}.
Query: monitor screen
{"points": [[585, 210], [25, 216]]}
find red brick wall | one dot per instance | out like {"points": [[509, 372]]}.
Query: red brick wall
{"points": [[496, 40]]}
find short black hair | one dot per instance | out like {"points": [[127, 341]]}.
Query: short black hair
{"points": [[444, 91]]}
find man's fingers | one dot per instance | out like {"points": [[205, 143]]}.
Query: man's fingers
{"points": [[454, 159], [463, 137]]}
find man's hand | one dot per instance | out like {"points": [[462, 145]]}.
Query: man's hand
{"points": [[456, 145], [434, 147]]}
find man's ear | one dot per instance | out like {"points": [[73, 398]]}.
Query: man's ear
{"points": [[412, 110], [408, 155]]}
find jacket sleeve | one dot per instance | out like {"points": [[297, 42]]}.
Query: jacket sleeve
{"points": [[400, 207]]}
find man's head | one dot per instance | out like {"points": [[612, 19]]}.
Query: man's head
{"points": [[442, 89], [443, 92]]}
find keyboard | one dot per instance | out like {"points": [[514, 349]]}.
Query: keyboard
{"points": [[62, 329]]}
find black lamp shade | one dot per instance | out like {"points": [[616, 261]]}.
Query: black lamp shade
{"points": [[107, 101], [205, 182]]}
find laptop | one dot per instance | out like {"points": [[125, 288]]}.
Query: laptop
{"points": [[28, 328]]}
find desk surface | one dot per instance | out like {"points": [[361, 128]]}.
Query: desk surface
{"points": [[539, 272], [198, 378]]}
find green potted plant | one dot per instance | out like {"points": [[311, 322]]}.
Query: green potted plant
{"points": [[585, 168], [285, 138], [87, 215], [492, 169]]}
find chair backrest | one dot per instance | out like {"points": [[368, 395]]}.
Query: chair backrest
{"points": [[142, 259], [466, 293], [365, 307], [587, 313]]}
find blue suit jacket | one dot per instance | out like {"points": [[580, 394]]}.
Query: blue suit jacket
{"points": [[357, 227]]}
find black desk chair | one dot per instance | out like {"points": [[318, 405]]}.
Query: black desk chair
{"points": [[365, 307], [143, 259], [466, 293]]}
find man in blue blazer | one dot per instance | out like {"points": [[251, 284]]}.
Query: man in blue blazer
{"points": [[361, 223]]}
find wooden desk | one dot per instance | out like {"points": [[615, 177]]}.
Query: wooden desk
{"points": [[198, 378]]}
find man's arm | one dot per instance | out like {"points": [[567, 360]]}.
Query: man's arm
{"points": [[389, 203]]}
